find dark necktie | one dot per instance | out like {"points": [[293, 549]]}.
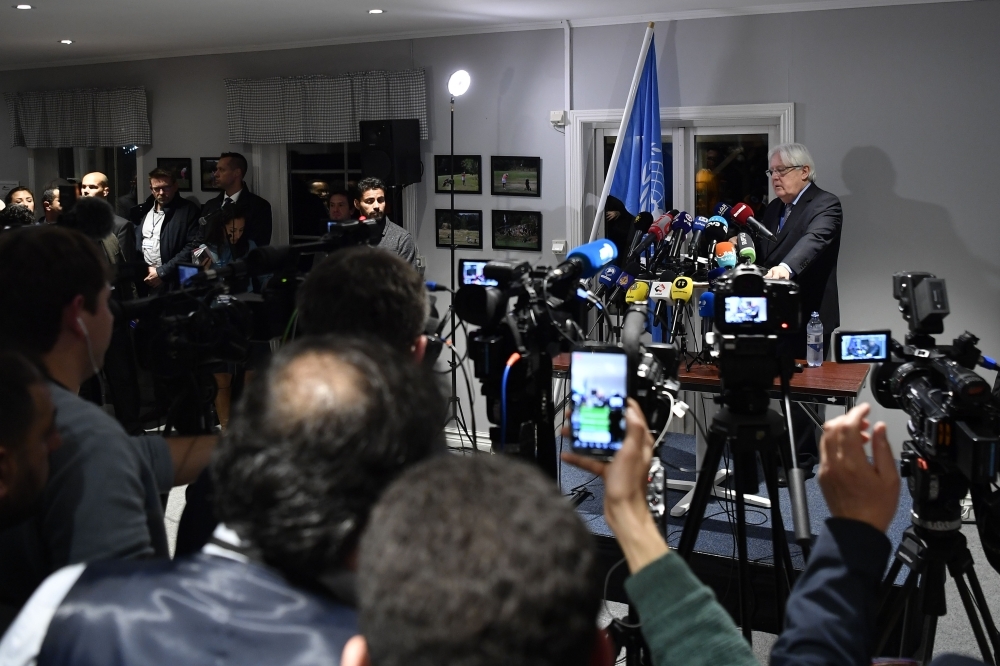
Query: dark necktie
{"points": [[228, 201], [784, 216]]}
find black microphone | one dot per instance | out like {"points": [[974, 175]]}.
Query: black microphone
{"points": [[742, 215], [657, 232]]}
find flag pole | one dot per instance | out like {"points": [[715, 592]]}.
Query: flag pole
{"points": [[599, 216]]}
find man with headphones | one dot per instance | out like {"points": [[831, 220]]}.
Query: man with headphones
{"points": [[102, 500]]}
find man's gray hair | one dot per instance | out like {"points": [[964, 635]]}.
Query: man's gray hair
{"points": [[794, 154]]}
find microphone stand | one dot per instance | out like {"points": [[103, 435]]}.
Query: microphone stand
{"points": [[454, 404]]}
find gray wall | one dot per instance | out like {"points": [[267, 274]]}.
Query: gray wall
{"points": [[898, 105]]}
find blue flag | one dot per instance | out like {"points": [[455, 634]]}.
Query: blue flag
{"points": [[639, 181]]}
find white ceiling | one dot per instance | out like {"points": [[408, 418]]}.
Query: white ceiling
{"points": [[109, 30]]}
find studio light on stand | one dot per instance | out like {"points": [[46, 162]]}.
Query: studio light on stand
{"points": [[458, 84]]}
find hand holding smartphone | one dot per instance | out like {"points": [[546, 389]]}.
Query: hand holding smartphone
{"points": [[599, 387]]}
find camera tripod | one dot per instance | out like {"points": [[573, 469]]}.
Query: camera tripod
{"points": [[928, 548], [749, 428]]}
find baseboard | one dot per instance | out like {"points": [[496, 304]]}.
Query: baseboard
{"points": [[456, 440]]}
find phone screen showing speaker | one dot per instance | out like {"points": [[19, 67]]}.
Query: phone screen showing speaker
{"points": [[471, 272], [598, 389], [746, 309], [862, 346]]}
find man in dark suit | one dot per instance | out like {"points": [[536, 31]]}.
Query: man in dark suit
{"points": [[166, 230], [807, 223], [230, 172]]}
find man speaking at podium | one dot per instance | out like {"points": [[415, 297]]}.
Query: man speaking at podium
{"points": [[806, 222]]}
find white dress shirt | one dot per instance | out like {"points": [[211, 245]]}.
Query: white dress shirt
{"points": [[151, 227]]}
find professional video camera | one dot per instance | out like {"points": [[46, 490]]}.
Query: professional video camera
{"points": [[525, 319], [179, 335], [952, 451]]}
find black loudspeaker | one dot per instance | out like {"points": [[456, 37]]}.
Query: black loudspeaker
{"points": [[390, 150]]}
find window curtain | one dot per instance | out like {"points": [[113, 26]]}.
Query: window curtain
{"points": [[322, 109], [83, 118]]}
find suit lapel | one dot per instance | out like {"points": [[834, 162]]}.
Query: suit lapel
{"points": [[798, 211]]}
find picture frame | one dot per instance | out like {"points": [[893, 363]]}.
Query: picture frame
{"points": [[469, 168], [517, 230], [207, 170], [181, 168], [512, 176], [468, 232]]}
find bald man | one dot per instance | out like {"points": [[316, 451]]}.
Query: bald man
{"points": [[95, 184]]}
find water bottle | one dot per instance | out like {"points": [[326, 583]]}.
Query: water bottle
{"points": [[814, 341]]}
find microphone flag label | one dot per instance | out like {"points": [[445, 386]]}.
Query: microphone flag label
{"points": [[639, 176]]}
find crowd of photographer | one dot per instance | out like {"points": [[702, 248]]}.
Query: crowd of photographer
{"points": [[332, 526]]}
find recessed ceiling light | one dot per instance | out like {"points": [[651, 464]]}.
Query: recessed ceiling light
{"points": [[65, 41], [376, 11], [22, 6]]}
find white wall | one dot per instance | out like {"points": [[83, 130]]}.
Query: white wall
{"points": [[898, 105]]}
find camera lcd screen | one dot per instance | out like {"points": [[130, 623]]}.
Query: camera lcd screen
{"points": [[746, 309], [598, 388], [185, 272], [869, 347], [471, 272]]}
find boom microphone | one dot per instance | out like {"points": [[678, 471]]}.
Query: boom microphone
{"points": [[680, 291], [725, 255], [582, 262], [697, 227], [638, 292], [742, 215], [682, 224], [745, 248], [606, 280], [656, 233]]}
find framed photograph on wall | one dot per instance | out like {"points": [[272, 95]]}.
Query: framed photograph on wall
{"points": [[517, 230], [180, 167], [516, 176], [468, 225], [468, 172], [208, 174]]}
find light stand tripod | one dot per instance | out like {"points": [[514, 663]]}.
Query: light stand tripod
{"points": [[457, 86]]}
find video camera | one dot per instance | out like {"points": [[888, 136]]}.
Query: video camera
{"points": [[527, 316], [202, 322], [750, 312], [954, 424]]}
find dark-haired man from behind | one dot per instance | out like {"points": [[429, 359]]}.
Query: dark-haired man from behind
{"points": [[316, 439], [388, 235], [166, 230], [477, 561], [230, 176], [365, 291], [102, 500]]}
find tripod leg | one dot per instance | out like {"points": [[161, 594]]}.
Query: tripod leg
{"points": [[888, 616], [779, 542], [926, 652], [984, 610], [706, 478], [741, 460], [970, 611]]}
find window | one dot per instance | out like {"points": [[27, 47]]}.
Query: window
{"points": [[314, 171], [711, 154], [118, 164]]}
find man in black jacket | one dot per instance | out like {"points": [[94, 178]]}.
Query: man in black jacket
{"points": [[166, 230], [230, 172], [807, 223]]}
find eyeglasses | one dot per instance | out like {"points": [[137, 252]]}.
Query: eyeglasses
{"points": [[781, 171]]}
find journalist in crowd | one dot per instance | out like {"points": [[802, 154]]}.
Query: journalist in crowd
{"points": [[102, 500], [316, 439]]}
